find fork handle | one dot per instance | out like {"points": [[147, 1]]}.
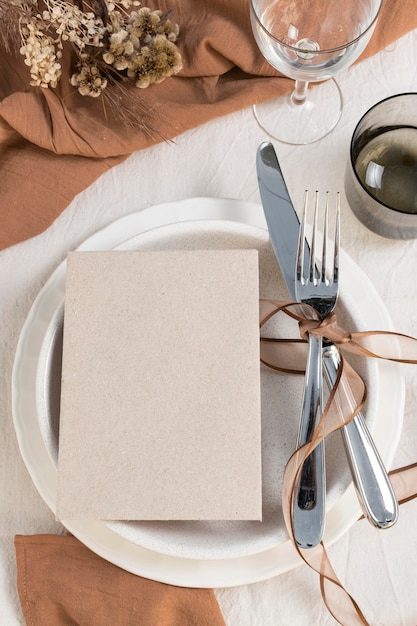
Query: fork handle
{"points": [[309, 499], [372, 484]]}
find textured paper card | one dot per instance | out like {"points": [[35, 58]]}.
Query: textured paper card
{"points": [[160, 398]]}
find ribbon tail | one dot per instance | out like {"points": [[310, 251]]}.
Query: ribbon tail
{"points": [[338, 601], [404, 481]]}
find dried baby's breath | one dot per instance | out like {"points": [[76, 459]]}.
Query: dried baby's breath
{"points": [[41, 56]]}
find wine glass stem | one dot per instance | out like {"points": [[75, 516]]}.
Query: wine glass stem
{"points": [[299, 95]]}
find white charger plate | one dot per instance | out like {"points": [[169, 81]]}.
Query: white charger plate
{"points": [[203, 554]]}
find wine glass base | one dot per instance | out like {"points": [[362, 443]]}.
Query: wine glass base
{"points": [[301, 124]]}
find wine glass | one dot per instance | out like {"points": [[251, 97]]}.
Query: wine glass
{"points": [[309, 41]]}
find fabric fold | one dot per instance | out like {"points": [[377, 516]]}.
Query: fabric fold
{"points": [[223, 71], [61, 582]]}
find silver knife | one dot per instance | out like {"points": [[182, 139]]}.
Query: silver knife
{"points": [[373, 487]]}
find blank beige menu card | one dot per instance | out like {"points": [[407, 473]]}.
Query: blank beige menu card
{"points": [[160, 397]]}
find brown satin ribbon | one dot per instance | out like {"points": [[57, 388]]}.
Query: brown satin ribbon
{"points": [[344, 402]]}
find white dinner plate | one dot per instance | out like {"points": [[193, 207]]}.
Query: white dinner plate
{"points": [[205, 554]]}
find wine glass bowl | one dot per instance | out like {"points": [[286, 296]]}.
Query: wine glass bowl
{"points": [[309, 41]]}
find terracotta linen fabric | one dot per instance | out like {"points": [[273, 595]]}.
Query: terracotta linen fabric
{"points": [[62, 583], [51, 135]]}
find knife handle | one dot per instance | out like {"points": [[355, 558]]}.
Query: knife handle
{"points": [[310, 496], [373, 487]]}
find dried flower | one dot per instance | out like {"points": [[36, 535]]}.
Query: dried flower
{"points": [[41, 56], [119, 50], [112, 38], [89, 80], [154, 63], [71, 24], [144, 46]]}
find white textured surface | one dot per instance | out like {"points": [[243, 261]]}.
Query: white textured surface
{"points": [[217, 159]]}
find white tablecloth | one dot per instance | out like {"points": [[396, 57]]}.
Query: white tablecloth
{"points": [[218, 160]]}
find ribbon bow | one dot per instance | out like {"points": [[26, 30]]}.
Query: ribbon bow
{"points": [[345, 401]]}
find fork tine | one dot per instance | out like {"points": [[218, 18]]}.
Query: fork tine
{"points": [[325, 239], [302, 242], [336, 241], [312, 270], [318, 273]]}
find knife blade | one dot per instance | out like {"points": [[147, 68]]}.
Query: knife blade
{"points": [[371, 481], [283, 225]]}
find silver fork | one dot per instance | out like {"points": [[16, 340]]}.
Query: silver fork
{"points": [[318, 288]]}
